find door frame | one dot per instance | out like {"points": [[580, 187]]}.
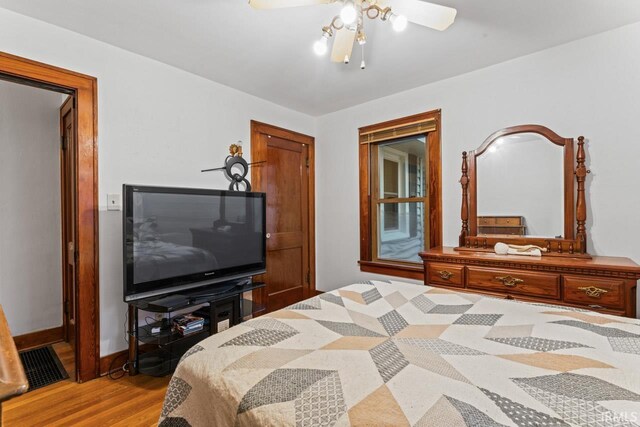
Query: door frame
{"points": [[66, 107], [259, 154], [84, 89]]}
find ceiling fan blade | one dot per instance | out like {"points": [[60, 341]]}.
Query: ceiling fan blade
{"points": [[276, 4], [342, 45], [425, 14]]}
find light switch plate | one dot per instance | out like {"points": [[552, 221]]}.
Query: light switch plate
{"points": [[113, 202]]}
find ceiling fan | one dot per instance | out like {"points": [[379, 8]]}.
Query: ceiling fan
{"points": [[348, 26]]}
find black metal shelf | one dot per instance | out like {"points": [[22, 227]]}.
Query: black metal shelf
{"points": [[163, 350], [250, 308], [164, 337], [199, 297], [163, 360]]}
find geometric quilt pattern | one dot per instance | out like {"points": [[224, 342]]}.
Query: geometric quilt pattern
{"points": [[472, 416], [321, 404], [388, 359], [478, 319], [576, 410], [625, 345], [521, 415], [281, 385], [177, 392], [260, 337], [393, 353], [538, 344]]}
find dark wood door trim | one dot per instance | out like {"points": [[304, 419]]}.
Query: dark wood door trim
{"points": [[258, 153], [39, 338], [84, 89], [65, 175]]}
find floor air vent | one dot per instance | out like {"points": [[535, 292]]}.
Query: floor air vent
{"points": [[42, 367]]}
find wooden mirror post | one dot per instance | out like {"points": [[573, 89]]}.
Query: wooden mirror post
{"points": [[464, 213], [581, 204]]}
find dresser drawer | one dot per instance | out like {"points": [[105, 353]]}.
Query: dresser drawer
{"points": [[514, 220], [595, 293], [545, 285], [486, 220], [446, 274]]}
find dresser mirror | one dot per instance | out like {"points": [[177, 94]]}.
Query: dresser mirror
{"points": [[524, 185], [521, 187]]}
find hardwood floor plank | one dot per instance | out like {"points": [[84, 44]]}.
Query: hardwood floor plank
{"points": [[128, 401], [67, 357], [142, 418]]}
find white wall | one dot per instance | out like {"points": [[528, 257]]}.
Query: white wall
{"points": [[588, 87], [157, 125], [30, 225]]}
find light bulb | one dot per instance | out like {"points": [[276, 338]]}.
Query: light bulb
{"points": [[320, 46], [363, 65], [348, 14], [399, 22]]}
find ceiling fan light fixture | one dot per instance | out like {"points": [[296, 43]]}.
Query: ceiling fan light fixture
{"points": [[348, 25], [399, 22], [348, 14], [361, 37], [320, 47]]}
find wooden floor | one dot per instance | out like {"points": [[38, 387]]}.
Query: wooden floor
{"points": [[66, 356], [129, 401]]}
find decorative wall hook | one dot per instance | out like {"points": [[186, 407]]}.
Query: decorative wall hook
{"points": [[234, 159]]}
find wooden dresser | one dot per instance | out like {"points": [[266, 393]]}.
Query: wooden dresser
{"points": [[605, 284]]}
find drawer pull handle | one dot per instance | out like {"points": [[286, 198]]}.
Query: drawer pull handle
{"points": [[509, 281], [593, 291], [444, 274]]}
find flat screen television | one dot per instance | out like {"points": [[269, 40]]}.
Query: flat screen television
{"points": [[182, 238]]}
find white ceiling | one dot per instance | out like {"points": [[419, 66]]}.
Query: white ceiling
{"points": [[269, 53]]}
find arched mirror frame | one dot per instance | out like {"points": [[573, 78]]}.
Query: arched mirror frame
{"points": [[574, 241]]}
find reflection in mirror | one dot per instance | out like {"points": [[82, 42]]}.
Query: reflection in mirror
{"points": [[402, 170], [520, 186]]}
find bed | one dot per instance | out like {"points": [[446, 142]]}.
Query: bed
{"points": [[392, 353]]}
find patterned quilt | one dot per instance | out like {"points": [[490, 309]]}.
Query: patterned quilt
{"points": [[391, 353]]}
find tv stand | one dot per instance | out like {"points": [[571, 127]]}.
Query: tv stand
{"points": [[158, 353]]}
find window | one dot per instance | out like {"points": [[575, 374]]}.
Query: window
{"points": [[400, 187]]}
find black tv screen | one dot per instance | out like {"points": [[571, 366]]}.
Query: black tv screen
{"points": [[181, 238]]}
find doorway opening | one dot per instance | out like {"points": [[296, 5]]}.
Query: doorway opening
{"points": [[74, 222]]}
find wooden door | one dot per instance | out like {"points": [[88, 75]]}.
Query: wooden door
{"points": [[68, 177], [287, 177]]}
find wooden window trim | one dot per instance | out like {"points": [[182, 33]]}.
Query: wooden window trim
{"points": [[429, 123]]}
